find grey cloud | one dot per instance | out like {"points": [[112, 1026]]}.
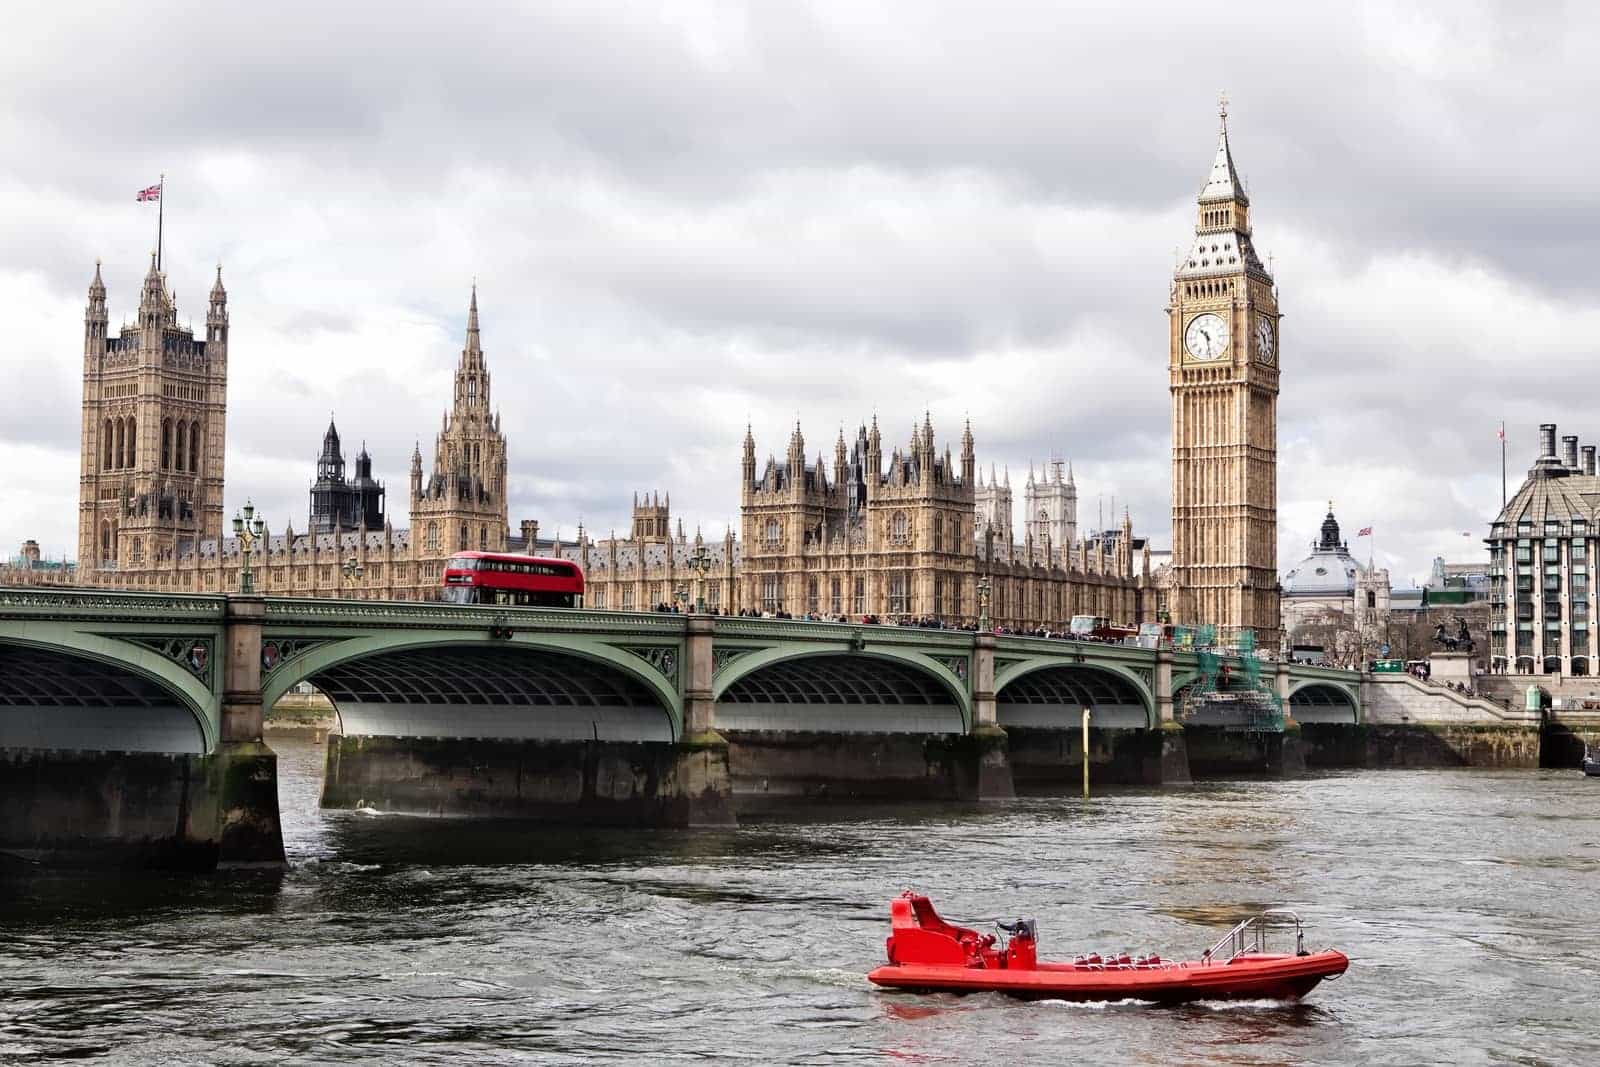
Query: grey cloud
{"points": [[685, 217]]}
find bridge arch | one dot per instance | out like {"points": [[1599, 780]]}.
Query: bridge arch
{"points": [[1322, 701], [1050, 693], [529, 686], [89, 691], [818, 686]]}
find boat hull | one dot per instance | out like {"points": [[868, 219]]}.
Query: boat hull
{"points": [[1243, 978]]}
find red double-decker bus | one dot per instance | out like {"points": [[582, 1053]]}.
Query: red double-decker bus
{"points": [[512, 580]]}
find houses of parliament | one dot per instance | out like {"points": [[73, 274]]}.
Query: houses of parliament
{"points": [[896, 531]]}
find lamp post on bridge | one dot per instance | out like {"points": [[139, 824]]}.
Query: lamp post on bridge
{"points": [[700, 563], [983, 604], [248, 529], [352, 571]]}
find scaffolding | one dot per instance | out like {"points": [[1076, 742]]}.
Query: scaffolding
{"points": [[1229, 688]]}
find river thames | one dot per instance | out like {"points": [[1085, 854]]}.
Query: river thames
{"points": [[1466, 900]]}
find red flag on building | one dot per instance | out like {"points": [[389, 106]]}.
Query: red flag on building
{"points": [[152, 192], [1365, 531]]}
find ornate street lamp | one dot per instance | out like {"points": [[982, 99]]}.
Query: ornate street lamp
{"points": [[249, 530], [700, 563], [983, 604], [351, 570]]}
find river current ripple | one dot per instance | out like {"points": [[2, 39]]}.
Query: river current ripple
{"points": [[1466, 899]]}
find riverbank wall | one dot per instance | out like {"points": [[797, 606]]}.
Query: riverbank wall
{"points": [[1410, 723]]}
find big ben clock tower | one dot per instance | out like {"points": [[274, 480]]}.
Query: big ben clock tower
{"points": [[1223, 326]]}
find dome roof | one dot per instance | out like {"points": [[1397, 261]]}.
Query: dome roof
{"points": [[1330, 570], [1323, 573]]}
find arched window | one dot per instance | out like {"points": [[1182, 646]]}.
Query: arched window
{"points": [[462, 540], [938, 534], [105, 540], [431, 542], [179, 451], [166, 444], [133, 443], [122, 442], [483, 539], [137, 550], [900, 526], [194, 447], [774, 533], [110, 439]]}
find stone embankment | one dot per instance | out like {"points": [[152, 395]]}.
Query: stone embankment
{"points": [[301, 715], [1410, 723]]}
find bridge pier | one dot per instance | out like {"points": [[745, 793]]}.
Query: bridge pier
{"points": [[243, 774], [701, 785], [1173, 745], [991, 755]]}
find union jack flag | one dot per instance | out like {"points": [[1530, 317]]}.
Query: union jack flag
{"points": [[152, 192], [1365, 531]]}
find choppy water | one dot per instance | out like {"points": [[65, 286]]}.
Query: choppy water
{"points": [[1468, 901]]}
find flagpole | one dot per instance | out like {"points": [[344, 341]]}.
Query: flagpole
{"points": [[161, 209], [1502, 464]]}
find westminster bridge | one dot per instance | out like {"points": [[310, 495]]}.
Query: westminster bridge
{"points": [[132, 720]]}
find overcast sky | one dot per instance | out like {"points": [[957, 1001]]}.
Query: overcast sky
{"points": [[687, 216]]}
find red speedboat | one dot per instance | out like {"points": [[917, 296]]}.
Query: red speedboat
{"points": [[927, 954]]}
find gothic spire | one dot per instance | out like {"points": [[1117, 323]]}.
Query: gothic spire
{"points": [[474, 349], [1223, 183]]}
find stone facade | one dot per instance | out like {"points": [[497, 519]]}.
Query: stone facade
{"points": [[650, 569], [993, 504], [463, 505], [1051, 505], [897, 536], [151, 512], [154, 405], [1223, 347]]}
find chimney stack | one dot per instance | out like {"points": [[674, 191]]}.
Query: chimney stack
{"points": [[1547, 440], [1588, 460], [1569, 452], [530, 537]]}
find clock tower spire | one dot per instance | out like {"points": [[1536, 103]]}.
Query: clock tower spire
{"points": [[1223, 316]]}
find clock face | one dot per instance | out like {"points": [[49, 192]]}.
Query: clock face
{"points": [[1207, 336], [1266, 340]]}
